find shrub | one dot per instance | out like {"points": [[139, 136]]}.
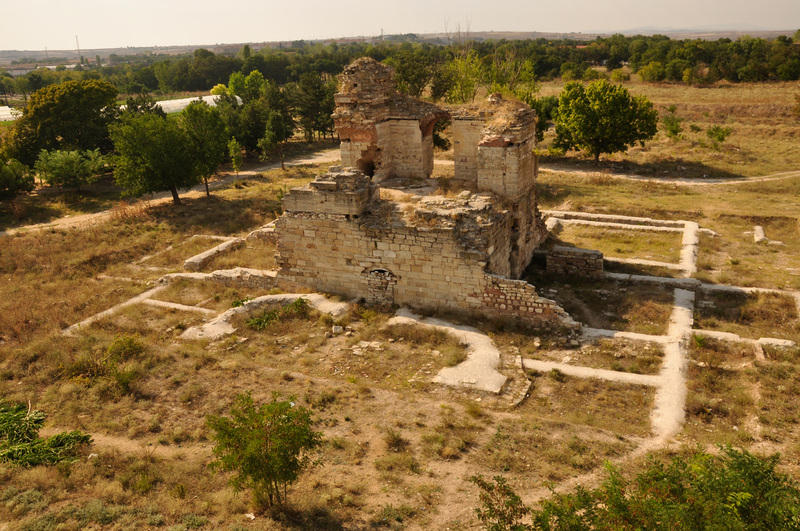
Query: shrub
{"points": [[20, 443], [733, 490], [299, 309], [718, 134], [267, 446]]}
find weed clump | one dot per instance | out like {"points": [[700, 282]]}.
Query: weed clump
{"points": [[21, 445], [299, 309]]}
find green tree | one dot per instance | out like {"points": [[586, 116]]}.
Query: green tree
{"points": [[312, 99], [219, 89], [69, 169], [277, 132], [15, 179], [465, 72], [143, 103], [153, 155], [267, 446], [653, 72], [602, 118], [249, 87], [74, 115], [235, 153], [413, 70], [718, 134], [545, 108], [208, 139]]}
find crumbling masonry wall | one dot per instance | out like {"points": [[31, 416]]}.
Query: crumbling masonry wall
{"points": [[384, 134], [446, 254], [337, 235]]}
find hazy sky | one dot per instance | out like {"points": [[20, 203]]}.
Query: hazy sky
{"points": [[36, 24]]}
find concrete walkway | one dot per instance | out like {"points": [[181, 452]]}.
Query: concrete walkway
{"points": [[221, 325], [479, 370], [114, 309]]}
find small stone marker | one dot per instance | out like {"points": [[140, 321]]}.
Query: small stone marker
{"points": [[758, 234]]}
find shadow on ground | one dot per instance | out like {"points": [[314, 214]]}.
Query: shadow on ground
{"points": [[216, 214], [678, 169]]}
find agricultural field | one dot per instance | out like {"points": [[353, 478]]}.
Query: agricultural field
{"points": [[397, 449]]}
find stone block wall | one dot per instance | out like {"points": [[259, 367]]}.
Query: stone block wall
{"points": [[574, 261], [415, 266], [527, 234], [466, 133], [506, 168], [411, 154]]}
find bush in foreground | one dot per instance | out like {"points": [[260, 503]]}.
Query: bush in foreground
{"points": [[732, 490], [267, 446]]}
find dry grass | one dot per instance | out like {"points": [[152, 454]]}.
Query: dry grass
{"points": [[618, 408], [720, 404], [763, 140], [609, 304], [731, 257], [172, 257], [541, 450], [753, 315], [612, 354], [255, 254]]}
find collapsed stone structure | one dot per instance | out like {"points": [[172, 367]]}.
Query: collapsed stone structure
{"points": [[463, 253]]}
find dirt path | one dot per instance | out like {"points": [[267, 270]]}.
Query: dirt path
{"points": [[321, 157]]}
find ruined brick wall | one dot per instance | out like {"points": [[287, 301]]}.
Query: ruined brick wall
{"points": [[574, 261], [384, 133], [338, 236], [517, 299], [408, 266]]}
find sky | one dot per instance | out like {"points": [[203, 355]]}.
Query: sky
{"points": [[53, 24]]}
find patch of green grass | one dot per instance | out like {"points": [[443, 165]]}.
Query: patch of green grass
{"points": [[622, 243]]}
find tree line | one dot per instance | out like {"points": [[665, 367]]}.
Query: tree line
{"points": [[72, 132], [656, 58]]}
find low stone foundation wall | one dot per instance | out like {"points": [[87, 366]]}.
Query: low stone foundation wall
{"points": [[245, 278], [574, 261]]}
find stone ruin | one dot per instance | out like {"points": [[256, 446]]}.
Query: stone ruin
{"points": [[341, 234]]}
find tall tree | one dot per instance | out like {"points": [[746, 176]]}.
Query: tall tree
{"points": [[602, 118], [153, 155], [143, 103], [235, 153], [205, 130], [70, 115], [313, 102], [277, 132]]}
